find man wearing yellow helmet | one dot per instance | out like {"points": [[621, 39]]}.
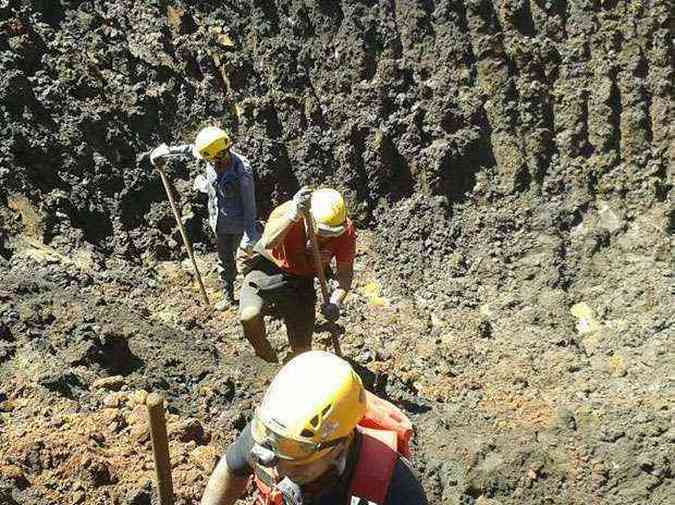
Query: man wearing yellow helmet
{"points": [[308, 442], [229, 184], [283, 276]]}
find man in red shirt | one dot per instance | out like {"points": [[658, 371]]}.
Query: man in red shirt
{"points": [[283, 274]]}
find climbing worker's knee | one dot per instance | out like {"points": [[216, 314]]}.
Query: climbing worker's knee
{"points": [[249, 314]]}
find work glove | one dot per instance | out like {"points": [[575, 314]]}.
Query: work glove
{"points": [[300, 204], [331, 311], [157, 156], [201, 184]]}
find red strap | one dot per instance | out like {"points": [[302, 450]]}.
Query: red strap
{"points": [[373, 470], [266, 495]]}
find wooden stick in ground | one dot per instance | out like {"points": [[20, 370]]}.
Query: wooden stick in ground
{"points": [[160, 448], [318, 266], [186, 240]]}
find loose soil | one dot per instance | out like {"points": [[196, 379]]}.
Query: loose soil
{"points": [[508, 165]]}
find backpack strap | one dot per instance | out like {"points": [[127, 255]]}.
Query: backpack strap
{"points": [[266, 494], [373, 471]]}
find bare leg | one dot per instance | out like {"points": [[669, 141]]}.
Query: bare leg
{"points": [[252, 321], [256, 333]]}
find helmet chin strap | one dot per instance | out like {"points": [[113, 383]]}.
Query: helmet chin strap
{"points": [[340, 462]]}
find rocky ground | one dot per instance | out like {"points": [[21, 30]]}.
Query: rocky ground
{"points": [[508, 164]]}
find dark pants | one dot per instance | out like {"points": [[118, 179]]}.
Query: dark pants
{"points": [[227, 245], [292, 297]]}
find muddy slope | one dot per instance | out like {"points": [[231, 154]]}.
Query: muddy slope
{"points": [[510, 160]]}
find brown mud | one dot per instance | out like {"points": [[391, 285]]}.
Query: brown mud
{"points": [[508, 162]]}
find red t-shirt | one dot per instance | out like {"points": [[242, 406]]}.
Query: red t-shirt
{"points": [[294, 253]]}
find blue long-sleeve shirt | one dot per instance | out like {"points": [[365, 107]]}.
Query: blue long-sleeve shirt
{"points": [[231, 196]]}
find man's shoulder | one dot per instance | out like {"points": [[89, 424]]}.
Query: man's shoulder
{"points": [[405, 487], [242, 162], [280, 210]]}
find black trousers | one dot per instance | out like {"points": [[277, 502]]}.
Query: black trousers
{"points": [[266, 288], [227, 245]]}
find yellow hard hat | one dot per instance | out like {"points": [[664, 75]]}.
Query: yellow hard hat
{"points": [[315, 402], [329, 211], [210, 141]]}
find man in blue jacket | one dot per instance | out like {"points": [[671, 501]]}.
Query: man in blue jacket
{"points": [[229, 184]]}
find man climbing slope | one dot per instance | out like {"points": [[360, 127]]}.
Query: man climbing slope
{"points": [[320, 438], [283, 275], [229, 184]]}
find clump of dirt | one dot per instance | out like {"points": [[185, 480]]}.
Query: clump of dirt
{"points": [[506, 163]]}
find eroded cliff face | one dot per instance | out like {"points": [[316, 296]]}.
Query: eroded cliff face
{"points": [[509, 165]]}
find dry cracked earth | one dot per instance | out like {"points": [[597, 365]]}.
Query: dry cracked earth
{"points": [[509, 167]]}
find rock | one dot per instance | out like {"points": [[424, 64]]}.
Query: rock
{"points": [[610, 434], [98, 473], [59, 380], [137, 398], [587, 322], [607, 218], [7, 406], [7, 351], [485, 329], [645, 463], [113, 383], [205, 457], [5, 333], [616, 366], [115, 400], [189, 430], [179, 20], [140, 496], [15, 475], [138, 422], [565, 419]]}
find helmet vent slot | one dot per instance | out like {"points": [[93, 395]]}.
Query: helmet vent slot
{"points": [[307, 433], [315, 421], [325, 410]]}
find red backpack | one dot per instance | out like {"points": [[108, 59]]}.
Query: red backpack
{"points": [[385, 434]]}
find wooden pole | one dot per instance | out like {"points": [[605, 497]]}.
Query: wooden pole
{"points": [[321, 274], [186, 240], [160, 448], [309, 226]]}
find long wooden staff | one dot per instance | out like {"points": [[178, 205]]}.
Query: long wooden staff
{"points": [[160, 448], [186, 240], [318, 266]]}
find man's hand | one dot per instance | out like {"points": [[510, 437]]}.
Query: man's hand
{"points": [[331, 311], [158, 154], [300, 204]]}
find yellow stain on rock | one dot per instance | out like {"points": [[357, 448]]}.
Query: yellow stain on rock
{"points": [[225, 40], [372, 292], [616, 366], [586, 319], [31, 217]]}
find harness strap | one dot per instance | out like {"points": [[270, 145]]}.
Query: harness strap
{"points": [[373, 471]]}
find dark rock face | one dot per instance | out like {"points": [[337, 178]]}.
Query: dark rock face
{"points": [[509, 158], [383, 100]]}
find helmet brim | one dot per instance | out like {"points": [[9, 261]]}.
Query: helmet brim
{"points": [[323, 230]]}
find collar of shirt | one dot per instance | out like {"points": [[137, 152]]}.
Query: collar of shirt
{"points": [[228, 175]]}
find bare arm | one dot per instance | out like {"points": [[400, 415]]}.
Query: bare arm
{"points": [[277, 227], [224, 487]]}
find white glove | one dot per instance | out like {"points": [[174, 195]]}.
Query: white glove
{"points": [[300, 204], [201, 184], [157, 155]]}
